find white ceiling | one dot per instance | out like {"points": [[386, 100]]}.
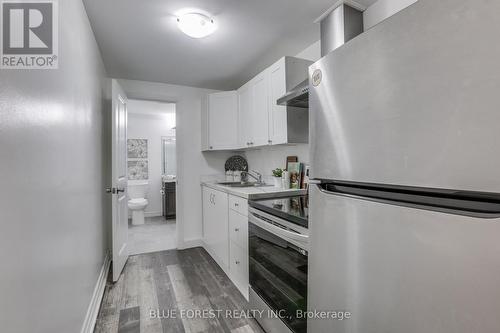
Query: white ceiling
{"points": [[139, 39]]}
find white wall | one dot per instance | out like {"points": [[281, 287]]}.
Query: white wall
{"points": [[53, 208], [312, 52], [266, 159], [191, 163], [152, 121], [383, 9]]}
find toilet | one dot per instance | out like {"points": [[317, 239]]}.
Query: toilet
{"points": [[137, 192]]}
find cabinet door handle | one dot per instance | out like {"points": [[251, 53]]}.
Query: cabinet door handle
{"points": [[236, 229], [237, 262], [236, 205]]}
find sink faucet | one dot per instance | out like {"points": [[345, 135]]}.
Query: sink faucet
{"points": [[255, 175]]}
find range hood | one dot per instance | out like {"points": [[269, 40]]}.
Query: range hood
{"points": [[297, 97], [341, 23]]}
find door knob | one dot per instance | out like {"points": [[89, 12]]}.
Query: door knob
{"points": [[114, 190]]}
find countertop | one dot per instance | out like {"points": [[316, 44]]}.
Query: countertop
{"points": [[252, 193]]}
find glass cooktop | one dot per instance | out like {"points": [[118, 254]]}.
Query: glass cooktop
{"points": [[293, 209]]}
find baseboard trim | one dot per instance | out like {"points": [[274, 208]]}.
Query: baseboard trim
{"points": [[152, 214], [148, 214], [95, 302], [190, 243]]}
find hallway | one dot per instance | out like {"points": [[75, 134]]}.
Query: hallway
{"points": [[170, 282]]}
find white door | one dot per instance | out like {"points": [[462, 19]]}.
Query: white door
{"points": [[221, 239], [244, 116], [428, 271], [119, 182], [215, 225], [277, 113], [260, 110], [223, 120]]}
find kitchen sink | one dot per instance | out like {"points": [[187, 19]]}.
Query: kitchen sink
{"points": [[242, 184]]}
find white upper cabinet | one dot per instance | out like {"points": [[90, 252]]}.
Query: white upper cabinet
{"points": [[251, 117], [253, 111], [268, 122], [260, 110], [222, 118], [287, 124], [277, 113], [245, 115]]}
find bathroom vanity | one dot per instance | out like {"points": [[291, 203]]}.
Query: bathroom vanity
{"points": [[169, 199]]}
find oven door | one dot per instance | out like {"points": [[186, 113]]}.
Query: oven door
{"points": [[278, 268]]}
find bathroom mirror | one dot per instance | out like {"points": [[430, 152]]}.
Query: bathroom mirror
{"points": [[169, 161]]}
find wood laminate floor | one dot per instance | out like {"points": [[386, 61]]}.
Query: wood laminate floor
{"points": [[181, 284]]}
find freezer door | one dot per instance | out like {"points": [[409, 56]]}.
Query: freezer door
{"points": [[401, 269], [413, 101]]}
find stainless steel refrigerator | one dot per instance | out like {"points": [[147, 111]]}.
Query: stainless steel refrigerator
{"points": [[405, 146]]}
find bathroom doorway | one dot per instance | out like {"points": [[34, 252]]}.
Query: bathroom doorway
{"points": [[152, 174]]}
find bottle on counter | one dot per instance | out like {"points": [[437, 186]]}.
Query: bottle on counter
{"points": [[285, 179]]}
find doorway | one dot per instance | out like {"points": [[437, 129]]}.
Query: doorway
{"points": [[152, 176]]}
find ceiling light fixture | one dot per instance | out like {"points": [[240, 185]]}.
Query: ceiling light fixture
{"points": [[196, 25]]}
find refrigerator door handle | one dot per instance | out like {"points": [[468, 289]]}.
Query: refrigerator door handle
{"points": [[471, 204]]}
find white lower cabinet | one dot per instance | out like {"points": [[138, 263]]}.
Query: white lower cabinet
{"points": [[238, 204], [238, 251], [238, 228], [239, 268], [216, 225], [225, 234]]}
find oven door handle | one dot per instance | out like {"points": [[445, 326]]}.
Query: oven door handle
{"points": [[282, 233]]}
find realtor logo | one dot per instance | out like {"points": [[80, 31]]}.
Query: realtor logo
{"points": [[29, 34]]}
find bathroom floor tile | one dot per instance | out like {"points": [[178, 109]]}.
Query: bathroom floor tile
{"points": [[157, 234]]}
